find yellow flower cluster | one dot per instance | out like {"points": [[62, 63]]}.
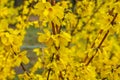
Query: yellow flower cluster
{"points": [[81, 39]]}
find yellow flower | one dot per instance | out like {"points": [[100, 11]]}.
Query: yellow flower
{"points": [[44, 1], [64, 38], [7, 39], [37, 51], [3, 25], [44, 37], [21, 57]]}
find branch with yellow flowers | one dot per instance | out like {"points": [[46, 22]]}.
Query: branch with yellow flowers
{"points": [[103, 39]]}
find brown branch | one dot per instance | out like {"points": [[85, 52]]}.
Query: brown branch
{"points": [[61, 76], [106, 34], [93, 44], [53, 2], [24, 69], [100, 32], [97, 48], [91, 58], [52, 58], [53, 28], [49, 1], [21, 64], [113, 21], [49, 70], [103, 39]]}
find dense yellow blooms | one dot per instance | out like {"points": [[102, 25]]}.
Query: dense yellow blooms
{"points": [[81, 39]]}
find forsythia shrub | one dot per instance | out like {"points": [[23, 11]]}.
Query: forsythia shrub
{"points": [[81, 39]]}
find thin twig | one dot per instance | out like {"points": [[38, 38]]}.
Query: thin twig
{"points": [[21, 64], [100, 32], [106, 34], [49, 70], [98, 48], [52, 58]]}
